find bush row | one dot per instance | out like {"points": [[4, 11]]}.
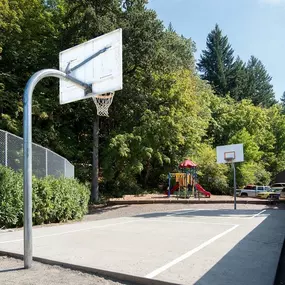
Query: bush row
{"points": [[54, 200]]}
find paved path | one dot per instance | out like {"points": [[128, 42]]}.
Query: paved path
{"points": [[188, 246]]}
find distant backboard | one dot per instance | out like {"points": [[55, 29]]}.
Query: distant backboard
{"points": [[104, 72], [230, 153]]}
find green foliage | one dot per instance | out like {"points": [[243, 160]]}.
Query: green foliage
{"points": [[171, 126], [258, 87], [58, 200], [11, 198], [54, 200], [217, 62], [282, 99], [251, 172], [165, 113], [226, 76], [213, 176], [250, 147]]}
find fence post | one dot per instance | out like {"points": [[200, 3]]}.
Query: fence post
{"points": [[46, 162], [65, 168], [6, 149]]}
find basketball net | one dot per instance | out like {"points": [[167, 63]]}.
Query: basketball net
{"points": [[229, 159], [103, 102]]}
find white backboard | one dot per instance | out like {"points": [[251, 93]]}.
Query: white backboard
{"points": [[230, 153], [104, 72]]}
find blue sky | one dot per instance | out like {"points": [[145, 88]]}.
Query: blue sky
{"points": [[254, 27]]}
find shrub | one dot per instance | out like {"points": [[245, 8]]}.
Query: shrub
{"points": [[54, 200], [11, 197]]}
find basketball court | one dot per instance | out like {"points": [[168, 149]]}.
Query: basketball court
{"points": [[181, 247]]}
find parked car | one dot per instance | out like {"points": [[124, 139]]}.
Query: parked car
{"points": [[278, 186], [253, 191], [268, 195]]}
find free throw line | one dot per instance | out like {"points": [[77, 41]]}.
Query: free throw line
{"points": [[189, 253]]}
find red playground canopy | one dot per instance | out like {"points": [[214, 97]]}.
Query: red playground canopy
{"points": [[187, 164]]}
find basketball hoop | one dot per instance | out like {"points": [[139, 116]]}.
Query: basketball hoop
{"points": [[229, 159], [103, 102]]}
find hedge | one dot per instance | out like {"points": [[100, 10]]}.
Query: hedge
{"points": [[54, 200]]}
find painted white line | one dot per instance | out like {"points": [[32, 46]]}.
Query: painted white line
{"points": [[257, 214], [74, 231], [241, 217], [187, 222], [188, 254], [182, 213]]}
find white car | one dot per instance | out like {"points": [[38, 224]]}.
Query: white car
{"points": [[252, 190], [277, 186]]}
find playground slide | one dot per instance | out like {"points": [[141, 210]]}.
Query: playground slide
{"points": [[203, 191], [173, 189]]}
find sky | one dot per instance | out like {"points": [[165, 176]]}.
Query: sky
{"points": [[254, 27]]}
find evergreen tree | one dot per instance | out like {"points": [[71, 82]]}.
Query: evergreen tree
{"points": [[216, 63], [282, 99], [258, 88]]}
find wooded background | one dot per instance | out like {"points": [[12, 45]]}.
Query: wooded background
{"points": [[171, 107]]}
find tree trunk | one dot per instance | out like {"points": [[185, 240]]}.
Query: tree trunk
{"points": [[95, 161]]}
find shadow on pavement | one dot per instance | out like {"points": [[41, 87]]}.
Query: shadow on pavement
{"points": [[254, 260], [193, 213], [95, 209], [11, 269]]}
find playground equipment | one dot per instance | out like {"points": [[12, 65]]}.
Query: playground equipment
{"points": [[186, 181]]}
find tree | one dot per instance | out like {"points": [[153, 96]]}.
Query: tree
{"points": [[258, 88], [282, 99], [170, 129], [212, 176], [217, 62]]}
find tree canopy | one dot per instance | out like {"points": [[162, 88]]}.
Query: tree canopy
{"points": [[168, 109]]}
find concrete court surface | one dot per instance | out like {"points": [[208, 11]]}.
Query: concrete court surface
{"points": [[182, 246]]}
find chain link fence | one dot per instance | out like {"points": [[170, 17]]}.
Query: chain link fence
{"points": [[45, 162]]}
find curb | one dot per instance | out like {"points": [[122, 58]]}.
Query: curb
{"points": [[130, 202], [114, 276]]}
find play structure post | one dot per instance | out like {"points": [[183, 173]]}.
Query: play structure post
{"points": [[169, 184]]}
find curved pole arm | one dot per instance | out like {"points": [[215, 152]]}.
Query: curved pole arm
{"points": [[27, 129]]}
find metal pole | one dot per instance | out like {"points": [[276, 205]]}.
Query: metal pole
{"points": [[235, 187], [95, 162], [27, 129]]}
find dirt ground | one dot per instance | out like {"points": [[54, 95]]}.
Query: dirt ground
{"points": [[12, 273], [173, 197]]}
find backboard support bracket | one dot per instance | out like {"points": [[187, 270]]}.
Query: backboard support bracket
{"points": [[69, 70], [85, 86]]}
